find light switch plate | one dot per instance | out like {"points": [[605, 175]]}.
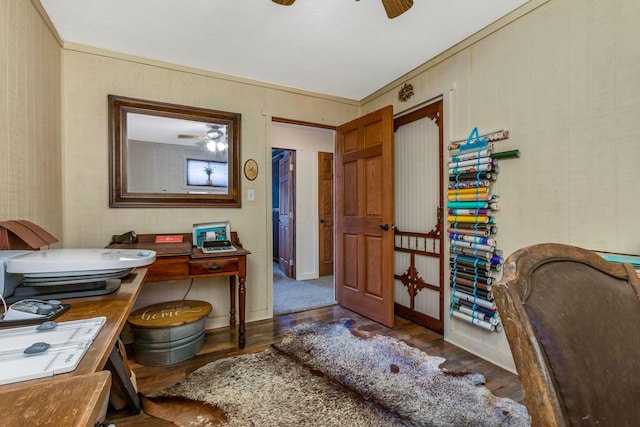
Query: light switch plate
{"points": [[251, 195]]}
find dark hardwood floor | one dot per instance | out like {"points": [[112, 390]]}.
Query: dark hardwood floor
{"points": [[221, 343]]}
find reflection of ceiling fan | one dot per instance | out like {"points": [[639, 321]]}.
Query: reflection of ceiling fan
{"points": [[393, 8], [215, 138]]}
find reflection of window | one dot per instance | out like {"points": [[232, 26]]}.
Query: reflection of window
{"points": [[207, 173]]}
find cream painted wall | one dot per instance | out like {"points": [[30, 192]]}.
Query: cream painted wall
{"points": [[563, 79], [30, 139], [89, 76], [307, 143]]}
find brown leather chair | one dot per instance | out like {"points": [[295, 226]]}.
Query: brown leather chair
{"points": [[572, 320]]}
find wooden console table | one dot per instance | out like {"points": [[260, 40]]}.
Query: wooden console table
{"points": [[181, 260]]}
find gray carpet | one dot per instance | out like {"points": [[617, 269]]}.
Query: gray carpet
{"points": [[291, 296]]}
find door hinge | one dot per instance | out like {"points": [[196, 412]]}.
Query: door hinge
{"points": [[291, 167]]}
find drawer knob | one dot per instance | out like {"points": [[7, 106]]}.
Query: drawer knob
{"points": [[215, 267]]}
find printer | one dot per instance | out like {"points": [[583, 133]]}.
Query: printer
{"points": [[66, 273]]}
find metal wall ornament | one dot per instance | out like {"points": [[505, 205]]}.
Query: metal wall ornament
{"points": [[406, 92]]}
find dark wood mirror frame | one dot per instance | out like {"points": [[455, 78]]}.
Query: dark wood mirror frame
{"points": [[119, 196]]}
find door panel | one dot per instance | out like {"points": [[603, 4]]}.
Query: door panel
{"points": [[325, 209], [364, 202], [285, 223]]}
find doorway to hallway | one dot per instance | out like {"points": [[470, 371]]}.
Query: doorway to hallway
{"points": [[302, 269]]}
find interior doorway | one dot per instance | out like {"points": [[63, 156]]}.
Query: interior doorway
{"points": [[302, 272]]}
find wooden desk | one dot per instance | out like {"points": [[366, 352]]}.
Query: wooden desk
{"points": [[116, 308], [75, 401], [178, 261]]}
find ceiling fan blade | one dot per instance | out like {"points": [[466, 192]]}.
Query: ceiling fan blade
{"points": [[395, 8], [190, 137], [284, 2], [201, 143]]}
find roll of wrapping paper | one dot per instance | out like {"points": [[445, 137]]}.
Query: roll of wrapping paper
{"points": [[472, 162], [476, 313], [487, 266], [469, 184], [459, 263], [468, 204], [481, 293], [468, 155], [481, 256], [490, 221], [469, 268], [469, 226], [486, 212], [482, 247], [494, 135], [477, 322], [472, 197], [474, 190], [473, 239], [458, 227], [486, 167], [478, 275], [506, 154], [483, 233], [478, 301], [477, 290], [495, 259], [471, 279], [471, 252], [472, 306], [483, 219], [492, 176]]}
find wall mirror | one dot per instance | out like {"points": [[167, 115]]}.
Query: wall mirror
{"points": [[167, 155]]}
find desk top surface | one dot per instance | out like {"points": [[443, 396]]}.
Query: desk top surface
{"points": [[74, 401], [115, 307], [184, 248]]}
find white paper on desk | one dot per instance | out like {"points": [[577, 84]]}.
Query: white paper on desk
{"points": [[69, 342], [65, 332], [60, 358]]}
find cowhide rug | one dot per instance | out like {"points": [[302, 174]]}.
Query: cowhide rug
{"points": [[332, 374]]}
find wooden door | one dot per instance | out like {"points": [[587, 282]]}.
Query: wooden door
{"points": [[364, 215], [286, 217], [325, 211], [275, 203]]}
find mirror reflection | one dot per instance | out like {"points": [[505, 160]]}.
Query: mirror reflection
{"points": [[170, 155]]}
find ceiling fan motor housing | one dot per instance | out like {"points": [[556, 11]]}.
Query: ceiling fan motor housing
{"points": [[394, 8]]}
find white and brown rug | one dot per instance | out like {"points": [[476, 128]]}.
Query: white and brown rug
{"points": [[332, 374]]}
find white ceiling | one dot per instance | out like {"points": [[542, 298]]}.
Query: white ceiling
{"points": [[343, 48]]}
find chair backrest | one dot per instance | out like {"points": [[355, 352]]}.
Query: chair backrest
{"points": [[572, 320]]}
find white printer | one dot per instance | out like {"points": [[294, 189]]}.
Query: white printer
{"points": [[66, 273]]}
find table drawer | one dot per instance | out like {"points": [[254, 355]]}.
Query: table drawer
{"points": [[212, 266], [168, 268]]}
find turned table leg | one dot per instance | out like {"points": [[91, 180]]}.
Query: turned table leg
{"points": [[241, 308], [232, 299]]}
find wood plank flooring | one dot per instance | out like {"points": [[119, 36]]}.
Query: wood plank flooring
{"points": [[221, 343]]}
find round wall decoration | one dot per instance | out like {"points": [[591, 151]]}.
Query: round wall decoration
{"points": [[406, 92], [251, 169]]}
